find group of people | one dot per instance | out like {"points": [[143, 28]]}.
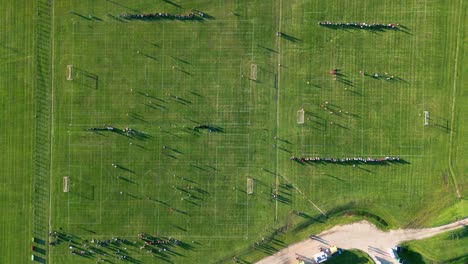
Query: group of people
{"points": [[110, 128], [77, 246], [159, 242], [344, 160], [378, 75], [191, 16], [106, 242], [128, 131], [149, 240], [210, 128], [358, 25]]}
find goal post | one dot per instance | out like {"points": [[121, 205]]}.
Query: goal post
{"points": [[426, 118], [300, 116], [250, 186], [66, 184], [253, 72], [69, 70]]}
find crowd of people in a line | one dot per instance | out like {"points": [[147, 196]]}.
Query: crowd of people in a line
{"points": [[127, 130], [109, 128], [358, 25], [193, 15], [344, 160]]}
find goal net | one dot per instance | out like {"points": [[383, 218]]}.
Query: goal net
{"points": [[426, 118], [65, 184], [300, 116], [253, 72], [249, 186], [69, 70]]}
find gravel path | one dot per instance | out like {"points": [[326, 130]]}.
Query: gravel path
{"points": [[360, 235]]}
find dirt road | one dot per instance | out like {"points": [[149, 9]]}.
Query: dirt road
{"points": [[361, 235]]}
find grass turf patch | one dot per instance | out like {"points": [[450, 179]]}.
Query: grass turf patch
{"points": [[449, 247], [17, 129]]}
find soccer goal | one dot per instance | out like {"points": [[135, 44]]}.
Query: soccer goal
{"points": [[426, 118], [250, 186], [300, 116], [69, 69], [65, 184], [253, 72]]}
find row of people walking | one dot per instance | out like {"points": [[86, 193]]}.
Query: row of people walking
{"points": [[344, 160], [358, 25], [191, 16]]}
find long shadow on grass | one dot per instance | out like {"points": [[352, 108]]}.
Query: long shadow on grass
{"points": [[153, 44], [196, 94], [133, 196], [127, 180], [283, 199], [180, 60], [198, 167], [170, 156], [170, 133], [39, 241], [180, 228], [125, 169], [149, 56], [172, 3], [116, 18], [87, 230], [159, 201], [90, 76], [334, 177], [138, 117], [151, 96], [290, 38], [140, 135], [80, 15], [39, 250], [189, 180], [266, 48], [39, 259]]}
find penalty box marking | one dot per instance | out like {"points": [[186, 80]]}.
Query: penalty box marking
{"points": [[215, 195]]}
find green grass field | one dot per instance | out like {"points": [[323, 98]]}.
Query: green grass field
{"points": [[17, 130], [445, 248], [164, 78]]}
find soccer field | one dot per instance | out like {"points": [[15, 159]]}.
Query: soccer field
{"points": [[183, 129]]}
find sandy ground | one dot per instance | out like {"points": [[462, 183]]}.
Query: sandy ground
{"points": [[361, 235]]}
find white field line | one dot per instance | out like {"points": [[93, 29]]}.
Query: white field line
{"points": [[277, 105], [100, 190], [454, 96], [51, 122]]}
